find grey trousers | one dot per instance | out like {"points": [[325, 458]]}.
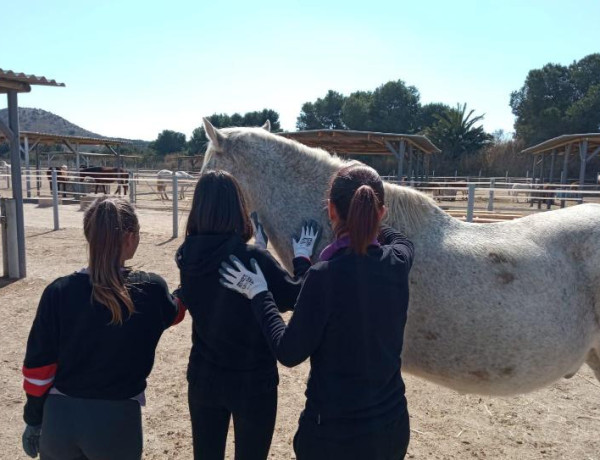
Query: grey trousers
{"points": [[91, 429]]}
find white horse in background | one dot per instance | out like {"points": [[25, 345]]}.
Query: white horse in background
{"points": [[165, 177], [5, 172], [524, 189], [495, 309]]}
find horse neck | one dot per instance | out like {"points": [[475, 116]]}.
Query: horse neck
{"points": [[413, 212]]}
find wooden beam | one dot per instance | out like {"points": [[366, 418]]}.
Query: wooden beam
{"points": [[11, 85], [593, 154]]}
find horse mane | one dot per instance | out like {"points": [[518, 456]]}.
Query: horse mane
{"points": [[408, 209]]}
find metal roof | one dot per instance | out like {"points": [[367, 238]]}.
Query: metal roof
{"points": [[560, 142], [47, 138], [20, 82], [358, 142]]}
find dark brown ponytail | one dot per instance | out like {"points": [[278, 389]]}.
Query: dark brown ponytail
{"points": [[363, 219], [358, 196]]}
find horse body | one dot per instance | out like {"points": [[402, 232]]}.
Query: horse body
{"points": [[494, 309], [62, 178], [165, 176], [102, 176]]}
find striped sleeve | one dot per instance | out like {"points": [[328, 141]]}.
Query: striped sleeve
{"points": [[41, 357]]}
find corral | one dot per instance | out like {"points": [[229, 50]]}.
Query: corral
{"points": [[559, 422]]}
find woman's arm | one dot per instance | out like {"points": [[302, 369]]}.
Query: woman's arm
{"points": [[401, 245], [41, 357], [171, 305], [294, 343]]}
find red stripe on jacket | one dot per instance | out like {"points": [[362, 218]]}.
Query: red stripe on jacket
{"points": [[181, 308], [43, 378]]}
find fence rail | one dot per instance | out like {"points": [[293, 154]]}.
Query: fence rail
{"points": [[482, 200]]}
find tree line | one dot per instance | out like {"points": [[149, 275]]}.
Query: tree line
{"points": [[553, 100]]}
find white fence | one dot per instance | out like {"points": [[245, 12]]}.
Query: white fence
{"points": [[485, 200]]}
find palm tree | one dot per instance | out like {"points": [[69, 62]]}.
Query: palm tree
{"points": [[456, 134]]}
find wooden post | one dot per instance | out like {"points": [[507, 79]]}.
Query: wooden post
{"points": [[401, 153], [563, 177], [55, 199], [533, 170], [27, 171], [471, 203], [131, 188], [583, 148], [552, 158], [15, 157], [491, 195], [410, 162], [175, 207]]}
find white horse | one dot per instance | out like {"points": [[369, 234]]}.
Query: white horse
{"points": [[165, 176], [495, 309], [517, 189]]}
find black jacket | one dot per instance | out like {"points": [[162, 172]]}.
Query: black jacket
{"points": [[349, 319], [228, 348], [73, 347]]}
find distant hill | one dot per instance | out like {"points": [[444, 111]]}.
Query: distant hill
{"points": [[42, 121]]}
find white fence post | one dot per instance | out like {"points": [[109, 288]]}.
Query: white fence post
{"points": [[131, 188], [491, 197], [10, 248], [471, 203], [55, 198], [175, 207]]}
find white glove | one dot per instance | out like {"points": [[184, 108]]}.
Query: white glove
{"points": [[260, 237], [241, 279], [304, 246]]}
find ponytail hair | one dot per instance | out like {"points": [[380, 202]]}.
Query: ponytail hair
{"points": [[358, 196], [105, 224]]}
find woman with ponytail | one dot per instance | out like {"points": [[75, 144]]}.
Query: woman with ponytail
{"points": [[349, 320], [91, 347]]}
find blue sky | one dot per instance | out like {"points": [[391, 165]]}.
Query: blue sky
{"points": [[134, 68]]}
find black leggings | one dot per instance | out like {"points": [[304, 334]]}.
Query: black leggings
{"points": [[387, 443], [91, 429], [253, 423]]}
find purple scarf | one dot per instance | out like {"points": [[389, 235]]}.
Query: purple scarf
{"points": [[340, 243]]}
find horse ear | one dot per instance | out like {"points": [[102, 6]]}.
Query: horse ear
{"points": [[212, 133], [267, 126]]}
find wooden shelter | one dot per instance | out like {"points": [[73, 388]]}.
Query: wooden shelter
{"points": [[584, 146], [412, 148], [12, 83], [29, 140]]}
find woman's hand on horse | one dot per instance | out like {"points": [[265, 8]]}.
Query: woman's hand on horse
{"points": [[305, 245], [240, 279], [260, 237]]}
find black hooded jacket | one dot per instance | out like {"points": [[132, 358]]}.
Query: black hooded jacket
{"points": [[229, 350]]}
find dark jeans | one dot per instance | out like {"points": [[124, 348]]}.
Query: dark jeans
{"points": [[253, 422], [91, 429], [388, 443]]}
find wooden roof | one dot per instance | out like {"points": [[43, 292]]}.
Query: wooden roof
{"points": [[47, 138], [358, 142], [20, 82], [560, 143]]}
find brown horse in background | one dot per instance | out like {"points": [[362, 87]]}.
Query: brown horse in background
{"points": [[62, 178], [102, 176]]}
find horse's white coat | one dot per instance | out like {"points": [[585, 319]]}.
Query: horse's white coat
{"points": [[495, 309], [165, 176]]}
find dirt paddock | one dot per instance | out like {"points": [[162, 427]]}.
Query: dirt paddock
{"points": [[559, 422]]}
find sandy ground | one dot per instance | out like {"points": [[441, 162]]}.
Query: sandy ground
{"points": [[559, 422]]}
